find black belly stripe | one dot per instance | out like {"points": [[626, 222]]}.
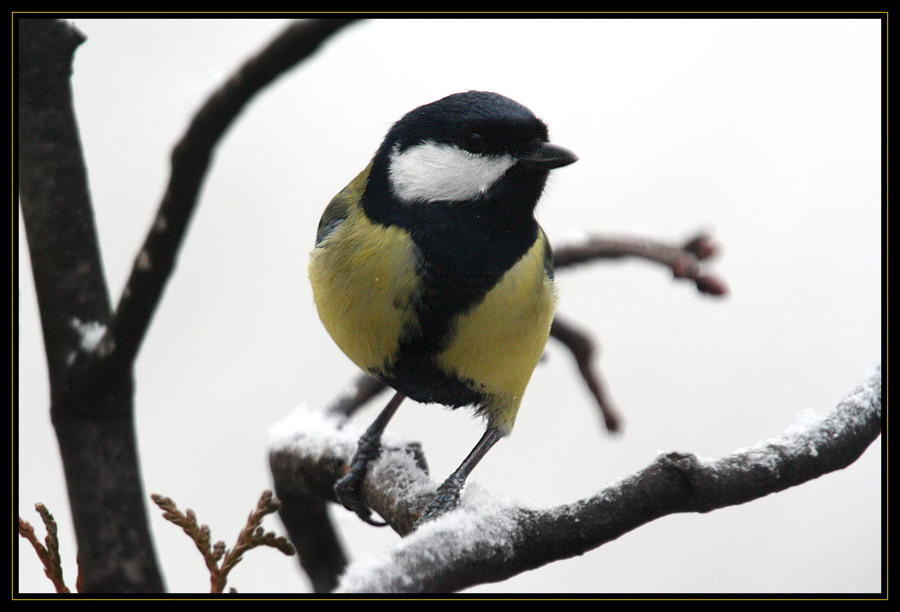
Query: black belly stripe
{"points": [[466, 248]]}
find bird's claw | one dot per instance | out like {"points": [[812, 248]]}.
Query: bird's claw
{"points": [[347, 490]]}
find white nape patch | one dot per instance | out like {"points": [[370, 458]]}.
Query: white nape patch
{"points": [[433, 172]]}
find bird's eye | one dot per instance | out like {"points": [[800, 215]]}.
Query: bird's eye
{"points": [[474, 142]]}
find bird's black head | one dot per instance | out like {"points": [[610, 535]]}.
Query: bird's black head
{"points": [[478, 122], [468, 147]]}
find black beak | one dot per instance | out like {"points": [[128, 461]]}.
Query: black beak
{"points": [[549, 156]]}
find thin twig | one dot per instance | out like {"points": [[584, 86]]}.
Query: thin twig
{"points": [[253, 535], [364, 388], [683, 260], [583, 350], [49, 554], [219, 560], [190, 161]]}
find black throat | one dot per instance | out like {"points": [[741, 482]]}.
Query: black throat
{"points": [[466, 247]]}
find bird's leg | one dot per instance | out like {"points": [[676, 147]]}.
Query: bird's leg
{"points": [[349, 488], [447, 494]]}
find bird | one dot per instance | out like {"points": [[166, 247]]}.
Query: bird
{"points": [[431, 273]]}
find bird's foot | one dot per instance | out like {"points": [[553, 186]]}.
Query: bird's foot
{"points": [[349, 488], [349, 492], [444, 500]]}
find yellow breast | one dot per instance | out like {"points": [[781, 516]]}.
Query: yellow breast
{"points": [[365, 286], [498, 342]]}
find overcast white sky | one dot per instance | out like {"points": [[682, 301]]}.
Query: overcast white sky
{"points": [[765, 132]]}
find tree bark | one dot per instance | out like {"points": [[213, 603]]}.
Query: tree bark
{"points": [[90, 347], [91, 408]]}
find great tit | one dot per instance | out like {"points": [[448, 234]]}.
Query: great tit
{"points": [[431, 273]]}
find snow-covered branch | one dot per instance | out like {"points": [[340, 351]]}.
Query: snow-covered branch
{"points": [[487, 540]]}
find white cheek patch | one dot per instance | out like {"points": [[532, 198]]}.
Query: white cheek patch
{"points": [[431, 172]]}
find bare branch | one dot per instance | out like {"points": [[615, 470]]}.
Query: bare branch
{"points": [[53, 189], [319, 549], [583, 350], [190, 161], [487, 541], [91, 409], [365, 388], [91, 383], [684, 260]]}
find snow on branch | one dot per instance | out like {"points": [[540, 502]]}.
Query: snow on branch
{"points": [[487, 539]]}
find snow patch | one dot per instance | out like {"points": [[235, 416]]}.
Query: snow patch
{"points": [[91, 332], [314, 430], [482, 525]]}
